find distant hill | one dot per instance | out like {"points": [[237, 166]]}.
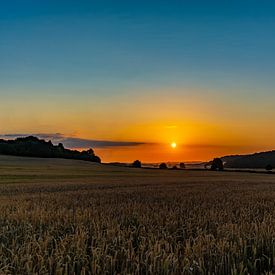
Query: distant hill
{"points": [[256, 160], [34, 147]]}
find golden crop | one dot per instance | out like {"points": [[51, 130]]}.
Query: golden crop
{"points": [[72, 217]]}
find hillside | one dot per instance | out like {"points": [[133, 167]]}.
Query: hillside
{"points": [[256, 160]]}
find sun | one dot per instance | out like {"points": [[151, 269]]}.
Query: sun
{"points": [[173, 145]]}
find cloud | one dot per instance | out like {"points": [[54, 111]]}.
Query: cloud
{"points": [[73, 142], [84, 143], [45, 136]]}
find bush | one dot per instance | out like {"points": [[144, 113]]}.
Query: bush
{"points": [[217, 164], [137, 164], [182, 165], [268, 167], [163, 166]]}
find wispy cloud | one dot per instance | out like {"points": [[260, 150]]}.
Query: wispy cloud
{"points": [[73, 142]]}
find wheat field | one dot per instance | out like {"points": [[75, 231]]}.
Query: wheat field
{"points": [[73, 217]]}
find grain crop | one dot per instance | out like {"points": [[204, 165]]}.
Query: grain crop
{"points": [[73, 217]]}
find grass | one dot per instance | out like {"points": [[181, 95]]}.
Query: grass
{"points": [[73, 217]]}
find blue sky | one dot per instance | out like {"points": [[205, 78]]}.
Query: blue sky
{"points": [[60, 44]]}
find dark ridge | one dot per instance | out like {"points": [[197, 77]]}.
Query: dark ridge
{"points": [[34, 147], [256, 160]]}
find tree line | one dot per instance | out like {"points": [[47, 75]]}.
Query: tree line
{"points": [[34, 147]]}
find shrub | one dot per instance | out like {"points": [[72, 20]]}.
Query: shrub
{"points": [[137, 164], [182, 165], [217, 164], [163, 166]]}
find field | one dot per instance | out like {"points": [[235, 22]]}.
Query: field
{"points": [[73, 217]]}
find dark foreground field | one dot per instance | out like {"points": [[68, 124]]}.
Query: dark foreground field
{"points": [[73, 217]]}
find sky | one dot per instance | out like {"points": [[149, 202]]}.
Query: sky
{"points": [[128, 78]]}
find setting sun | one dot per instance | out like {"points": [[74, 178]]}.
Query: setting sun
{"points": [[173, 145]]}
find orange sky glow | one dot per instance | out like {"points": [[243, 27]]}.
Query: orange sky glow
{"points": [[202, 126]]}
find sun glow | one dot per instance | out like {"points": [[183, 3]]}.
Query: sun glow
{"points": [[173, 145]]}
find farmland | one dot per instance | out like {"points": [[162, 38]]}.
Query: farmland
{"points": [[74, 217]]}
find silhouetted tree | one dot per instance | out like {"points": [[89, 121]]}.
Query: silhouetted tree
{"points": [[175, 167], [90, 152], [163, 166], [137, 164], [60, 145], [182, 165], [268, 167], [95, 159], [217, 164]]}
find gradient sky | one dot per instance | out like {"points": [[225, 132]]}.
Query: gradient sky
{"points": [[140, 74]]}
